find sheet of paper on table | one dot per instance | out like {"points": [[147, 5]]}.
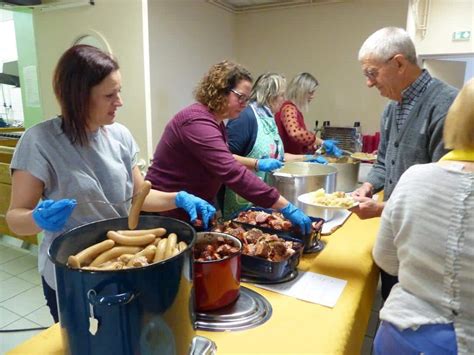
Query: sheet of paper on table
{"points": [[311, 287]]}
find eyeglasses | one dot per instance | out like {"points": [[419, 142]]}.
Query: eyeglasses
{"points": [[372, 74], [243, 99]]}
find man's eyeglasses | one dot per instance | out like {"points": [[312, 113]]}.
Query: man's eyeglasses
{"points": [[243, 99], [372, 74]]}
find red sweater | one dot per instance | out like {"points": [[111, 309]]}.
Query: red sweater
{"points": [[193, 155], [292, 129]]}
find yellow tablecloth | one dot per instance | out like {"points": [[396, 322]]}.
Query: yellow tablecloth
{"points": [[296, 327]]}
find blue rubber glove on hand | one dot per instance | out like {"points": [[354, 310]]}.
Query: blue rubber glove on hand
{"points": [[331, 148], [297, 217], [52, 215], [315, 159], [194, 205], [268, 164]]}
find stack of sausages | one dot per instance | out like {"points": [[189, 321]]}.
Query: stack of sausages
{"points": [[125, 249]]}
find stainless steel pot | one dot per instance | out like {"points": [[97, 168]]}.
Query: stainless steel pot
{"points": [[347, 173], [298, 178]]}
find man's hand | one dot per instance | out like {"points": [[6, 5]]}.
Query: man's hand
{"points": [[366, 190], [367, 208]]}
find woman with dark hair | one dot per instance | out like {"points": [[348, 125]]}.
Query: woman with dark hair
{"points": [[81, 154], [195, 138]]}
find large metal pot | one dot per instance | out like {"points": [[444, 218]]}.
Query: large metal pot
{"points": [[347, 173], [139, 311], [298, 178]]}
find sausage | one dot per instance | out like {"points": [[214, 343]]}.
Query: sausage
{"points": [[138, 261], [113, 253], [158, 232], [73, 262], [160, 250], [157, 240], [125, 258], [182, 246], [137, 203], [127, 240], [170, 245], [115, 265], [87, 255], [148, 253]]}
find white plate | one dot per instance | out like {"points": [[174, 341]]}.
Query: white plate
{"points": [[364, 156], [308, 199]]}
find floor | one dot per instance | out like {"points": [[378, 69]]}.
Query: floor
{"points": [[22, 304]]}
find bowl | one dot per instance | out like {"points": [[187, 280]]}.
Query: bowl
{"points": [[217, 282]]}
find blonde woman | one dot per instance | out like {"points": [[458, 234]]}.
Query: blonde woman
{"points": [[297, 139]]}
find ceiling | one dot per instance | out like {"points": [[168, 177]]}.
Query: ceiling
{"points": [[241, 6]]}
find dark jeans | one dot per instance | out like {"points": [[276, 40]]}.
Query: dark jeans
{"points": [[388, 281], [51, 300]]}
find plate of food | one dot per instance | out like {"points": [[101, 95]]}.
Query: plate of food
{"points": [[364, 156], [335, 201]]}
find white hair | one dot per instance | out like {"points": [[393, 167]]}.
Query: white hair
{"points": [[387, 42], [299, 88]]}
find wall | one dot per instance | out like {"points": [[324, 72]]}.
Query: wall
{"points": [[27, 67], [186, 38], [120, 23], [323, 40], [444, 18]]}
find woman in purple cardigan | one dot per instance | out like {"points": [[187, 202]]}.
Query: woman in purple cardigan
{"points": [[193, 155]]}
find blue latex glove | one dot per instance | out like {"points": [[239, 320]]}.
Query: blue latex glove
{"points": [[315, 159], [331, 148], [194, 205], [52, 215], [297, 217], [268, 164]]}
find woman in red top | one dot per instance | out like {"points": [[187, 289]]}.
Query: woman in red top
{"points": [[290, 121]]}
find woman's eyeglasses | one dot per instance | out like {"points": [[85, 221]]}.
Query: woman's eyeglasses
{"points": [[243, 99]]}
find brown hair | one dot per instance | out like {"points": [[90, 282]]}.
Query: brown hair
{"points": [[459, 124], [79, 69], [213, 89]]}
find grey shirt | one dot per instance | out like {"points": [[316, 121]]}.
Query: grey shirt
{"points": [[418, 141], [426, 237], [100, 171]]}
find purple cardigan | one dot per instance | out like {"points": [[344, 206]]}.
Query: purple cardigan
{"points": [[193, 155]]}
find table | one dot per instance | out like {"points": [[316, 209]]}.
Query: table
{"points": [[296, 327]]}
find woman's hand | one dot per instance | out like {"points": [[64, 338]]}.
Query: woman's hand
{"points": [[193, 206], [331, 148], [315, 159], [297, 217], [268, 164], [52, 215]]}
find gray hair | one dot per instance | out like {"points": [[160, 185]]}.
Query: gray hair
{"points": [[267, 87], [298, 89], [387, 42]]}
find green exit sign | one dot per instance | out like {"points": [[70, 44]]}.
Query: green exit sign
{"points": [[462, 36]]}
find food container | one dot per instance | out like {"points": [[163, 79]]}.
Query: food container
{"points": [[310, 240], [297, 178], [132, 311], [217, 282], [347, 173], [260, 268]]}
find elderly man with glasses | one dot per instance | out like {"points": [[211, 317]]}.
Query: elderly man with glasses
{"points": [[412, 122]]}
